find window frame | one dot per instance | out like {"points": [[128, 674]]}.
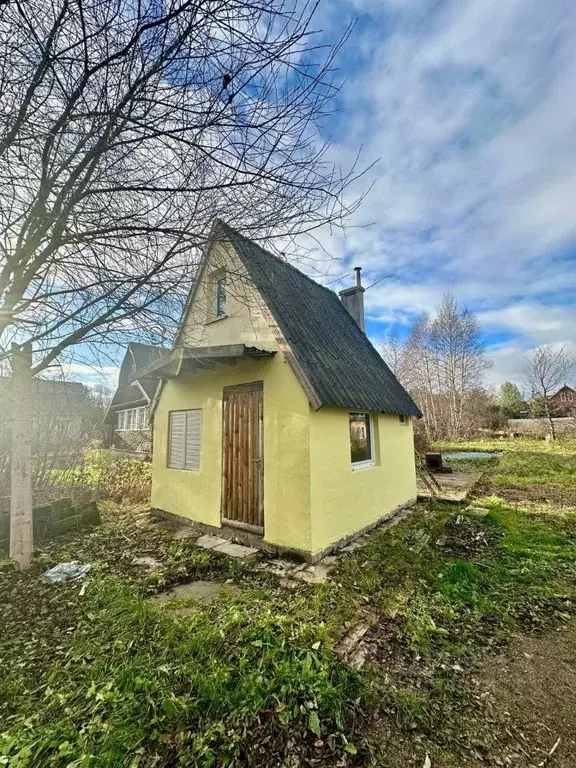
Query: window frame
{"points": [[168, 441], [217, 296], [365, 463], [131, 419], [221, 296], [403, 419]]}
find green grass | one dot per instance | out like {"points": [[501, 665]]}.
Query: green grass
{"points": [[525, 463], [106, 679], [563, 445]]}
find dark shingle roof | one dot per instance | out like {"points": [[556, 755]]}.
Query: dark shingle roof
{"points": [[144, 354], [337, 358]]}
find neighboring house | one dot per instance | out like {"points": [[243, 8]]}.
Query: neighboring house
{"points": [[564, 401], [59, 409], [129, 410], [276, 416]]}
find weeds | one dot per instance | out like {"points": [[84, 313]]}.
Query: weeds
{"points": [[109, 680]]}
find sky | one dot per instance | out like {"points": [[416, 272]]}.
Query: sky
{"points": [[469, 109]]}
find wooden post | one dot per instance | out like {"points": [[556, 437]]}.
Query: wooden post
{"points": [[21, 460]]}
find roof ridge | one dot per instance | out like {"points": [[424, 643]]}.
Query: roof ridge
{"points": [[273, 256]]}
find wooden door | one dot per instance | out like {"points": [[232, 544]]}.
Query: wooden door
{"points": [[242, 457]]}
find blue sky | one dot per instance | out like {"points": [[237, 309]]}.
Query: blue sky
{"points": [[470, 109]]}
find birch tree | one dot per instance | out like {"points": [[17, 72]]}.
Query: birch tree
{"points": [[125, 128], [546, 369], [442, 364]]}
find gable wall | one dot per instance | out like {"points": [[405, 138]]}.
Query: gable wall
{"points": [[244, 321], [196, 494]]}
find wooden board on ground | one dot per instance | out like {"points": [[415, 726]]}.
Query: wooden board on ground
{"points": [[454, 487]]}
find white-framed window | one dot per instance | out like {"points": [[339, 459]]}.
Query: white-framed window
{"points": [[132, 419], [569, 397], [403, 419], [361, 439], [184, 439], [563, 397]]}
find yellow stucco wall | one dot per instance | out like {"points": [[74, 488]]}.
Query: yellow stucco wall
{"points": [[346, 500], [196, 494]]}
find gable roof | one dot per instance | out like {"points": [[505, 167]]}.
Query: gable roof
{"points": [[144, 354], [563, 388], [133, 390], [338, 361]]}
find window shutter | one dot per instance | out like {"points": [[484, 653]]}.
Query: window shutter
{"points": [[176, 439], [193, 439]]}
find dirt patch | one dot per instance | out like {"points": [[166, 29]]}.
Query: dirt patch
{"points": [[466, 537], [531, 691], [536, 494]]}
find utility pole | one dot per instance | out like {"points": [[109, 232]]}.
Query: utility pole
{"points": [[21, 460]]}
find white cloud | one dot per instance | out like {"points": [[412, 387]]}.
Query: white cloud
{"points": [[93, 376], [469, 106]]}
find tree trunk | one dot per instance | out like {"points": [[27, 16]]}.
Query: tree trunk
{"points": [[21, 460]]}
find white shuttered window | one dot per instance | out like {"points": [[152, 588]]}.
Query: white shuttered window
{"points": [[184, 439]]}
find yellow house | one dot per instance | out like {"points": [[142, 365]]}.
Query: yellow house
{"points": [[276, 420]]}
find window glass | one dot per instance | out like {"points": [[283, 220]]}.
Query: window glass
{"points": [[221, 296], [360, 438]]}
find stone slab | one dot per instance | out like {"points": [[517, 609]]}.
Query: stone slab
{"points": [[200, 591], [147, 562], [210, 542], [235, 550], [186, 532], [312, 574]]}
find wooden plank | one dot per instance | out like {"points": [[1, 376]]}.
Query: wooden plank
{"points": [[241, 455], [259, 464], [249, 456]]}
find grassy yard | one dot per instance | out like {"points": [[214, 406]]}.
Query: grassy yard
{"points": [[101, 677], [528, 470]]}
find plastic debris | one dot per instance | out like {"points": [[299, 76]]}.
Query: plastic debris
{"points": [[66, 572]]}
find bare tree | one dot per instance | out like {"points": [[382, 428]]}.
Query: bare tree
{"points": [[392, 352], [125, 128], [442, 364], [546, 369]]}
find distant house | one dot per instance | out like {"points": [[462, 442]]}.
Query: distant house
{"points": [[59, 409], [276, 419], [129, 412], [564, 401]]}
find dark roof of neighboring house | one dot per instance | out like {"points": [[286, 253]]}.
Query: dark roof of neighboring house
{"points": [[71, 391], [144, 354], [564, 388], [129, 393], [336, 357]]}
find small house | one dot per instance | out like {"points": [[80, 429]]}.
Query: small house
{"points": [[563, 402], [128, 414], [276, 419]]}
